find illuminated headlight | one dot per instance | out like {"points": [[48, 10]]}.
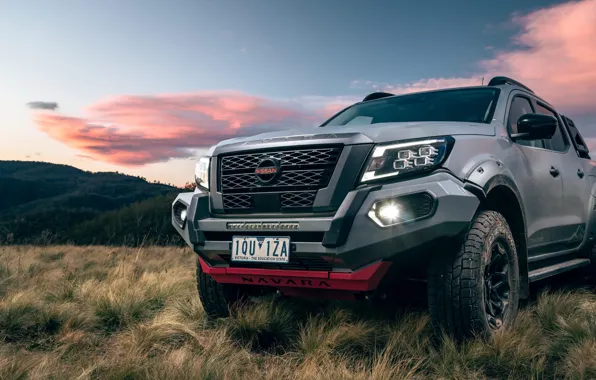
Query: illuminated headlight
{"points": [[183, 215], [406, 158], [202, 173]]}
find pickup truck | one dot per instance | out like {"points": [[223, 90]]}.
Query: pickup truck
{"points": [[477, 191]]}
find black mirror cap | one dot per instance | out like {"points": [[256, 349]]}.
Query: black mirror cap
{"points": [[535, 126]]}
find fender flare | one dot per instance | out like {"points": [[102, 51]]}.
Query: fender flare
{"points": [[483, 178]]}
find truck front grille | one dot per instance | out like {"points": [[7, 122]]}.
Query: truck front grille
{"points": [[302, 172]]}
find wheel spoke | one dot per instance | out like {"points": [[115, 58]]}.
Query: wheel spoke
{"points": [[497, 304], [496, 281]]}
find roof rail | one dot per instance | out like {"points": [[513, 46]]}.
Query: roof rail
{"points": [[376, 95], [497, 81]]}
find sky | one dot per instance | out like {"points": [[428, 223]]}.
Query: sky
{"points": [[144, 87]]}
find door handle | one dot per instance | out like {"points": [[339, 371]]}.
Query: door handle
{"points": [[580, 173], [554, 171]]}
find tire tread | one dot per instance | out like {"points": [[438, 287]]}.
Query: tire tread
{"points": [[213, 296], [454, 282]]}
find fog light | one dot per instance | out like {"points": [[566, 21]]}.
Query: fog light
{"points": [[180, 213], [386, 213], [389, 212], [402, 209]]}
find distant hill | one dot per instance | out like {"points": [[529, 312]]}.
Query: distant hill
{"points": [[42, 202]]}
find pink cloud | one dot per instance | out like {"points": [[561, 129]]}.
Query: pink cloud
{"points": [[433, 84], [555, 57], [136, 130]]}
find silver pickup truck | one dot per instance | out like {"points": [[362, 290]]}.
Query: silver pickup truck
{"points": [[478, 191]]}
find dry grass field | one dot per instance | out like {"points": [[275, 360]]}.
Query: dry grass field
{"points": [[116, 313]]}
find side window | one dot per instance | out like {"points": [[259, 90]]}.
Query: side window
{"points": [[558, 142], [360, 120], [576, 138], [521, 106]]}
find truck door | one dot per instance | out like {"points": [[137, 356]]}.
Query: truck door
{"points": [[577, 183], [537, 172], [573, 216]]}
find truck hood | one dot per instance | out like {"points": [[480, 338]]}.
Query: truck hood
{"points": [[374, 133]]}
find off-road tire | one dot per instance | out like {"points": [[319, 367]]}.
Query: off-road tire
{"points": [[218, 299], [457, 285]]}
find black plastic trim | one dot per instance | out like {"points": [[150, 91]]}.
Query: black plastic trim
{"points": [[199, 208], [348, 176], [574, 134], [478, 191], [342, 223], [545, 272], [376, 95], [500, 80]]}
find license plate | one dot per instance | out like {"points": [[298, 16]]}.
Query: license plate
{"points": [[261, 249]]}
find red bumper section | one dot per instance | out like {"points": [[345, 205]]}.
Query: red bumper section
{"points": [[364, 279]]}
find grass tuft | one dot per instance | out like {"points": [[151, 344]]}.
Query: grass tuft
{"points": [[262, 327], [119, 313]]}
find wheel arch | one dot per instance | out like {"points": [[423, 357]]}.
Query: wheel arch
{"points": [[498, 192]]}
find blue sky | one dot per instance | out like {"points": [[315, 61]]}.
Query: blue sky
{"points": [[89, 54]]}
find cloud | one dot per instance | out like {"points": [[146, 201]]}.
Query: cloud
{"points": [[556, 54], [43, 105], [553, 54], [434, 84], [137, 130]]}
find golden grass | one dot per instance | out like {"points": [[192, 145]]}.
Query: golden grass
{"points": [[122, 313]]}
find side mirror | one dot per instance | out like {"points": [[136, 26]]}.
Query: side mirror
{"points": [[535, 126]]}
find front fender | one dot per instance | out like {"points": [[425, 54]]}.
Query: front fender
{"points": [[481, 180]]}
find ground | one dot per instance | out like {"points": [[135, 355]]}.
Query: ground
{"points": [[122, 313]]}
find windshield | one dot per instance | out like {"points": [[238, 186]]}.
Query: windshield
{"points": [[474, 105]]}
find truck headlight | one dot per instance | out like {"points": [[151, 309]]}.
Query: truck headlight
{"points": [[407, 158], [202, 173]]}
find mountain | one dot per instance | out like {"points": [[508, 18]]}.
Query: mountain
{"points": [[42, 202]]}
